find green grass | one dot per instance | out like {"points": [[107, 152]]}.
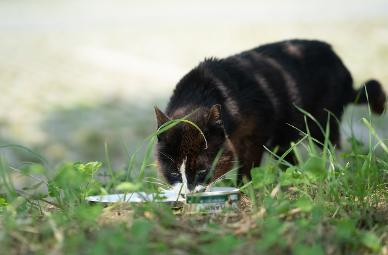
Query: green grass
{"points": [[331, 202]]}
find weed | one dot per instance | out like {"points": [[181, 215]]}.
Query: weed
{"points": [[330, 202]]}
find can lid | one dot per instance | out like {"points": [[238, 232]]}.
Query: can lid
{"points": [[216, 191], [137, 197]]}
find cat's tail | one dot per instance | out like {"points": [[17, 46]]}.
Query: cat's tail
{"points": [[371, 92]]}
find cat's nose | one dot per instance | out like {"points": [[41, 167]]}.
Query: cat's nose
{"points": [[199, 188], [191, 187]]}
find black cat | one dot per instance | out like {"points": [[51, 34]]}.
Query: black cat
{"points": [[249, 100]]}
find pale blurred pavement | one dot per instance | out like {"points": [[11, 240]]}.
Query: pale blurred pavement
{"points": [[57, 57]]}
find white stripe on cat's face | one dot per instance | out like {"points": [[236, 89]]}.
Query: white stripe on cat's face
{"points": [[185, 189], [182, 170], [199, 188]]}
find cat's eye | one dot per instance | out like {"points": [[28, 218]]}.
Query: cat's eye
{"points": [[174, 174], [202, 172]]}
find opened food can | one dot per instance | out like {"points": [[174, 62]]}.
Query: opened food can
{"points": [[217, 199]]}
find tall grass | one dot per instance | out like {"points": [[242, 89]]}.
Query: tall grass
{"points": [[330, 202]]}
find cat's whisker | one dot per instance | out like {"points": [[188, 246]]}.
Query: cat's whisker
{"points": [[167, 156]]}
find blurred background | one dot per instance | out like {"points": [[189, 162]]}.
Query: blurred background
{"points": [[75, 75]]}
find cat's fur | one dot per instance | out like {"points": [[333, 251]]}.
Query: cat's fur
{"points": [[248, 100]]}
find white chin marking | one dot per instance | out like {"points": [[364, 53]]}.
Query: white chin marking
{"points": [[199, 188], [182, 169], [177, 187]]}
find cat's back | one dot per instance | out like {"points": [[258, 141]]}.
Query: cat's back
{"points": [[273, 78], [293, 51], [297, 72]]}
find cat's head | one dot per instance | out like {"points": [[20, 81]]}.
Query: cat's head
{"points": [[184, 154]]}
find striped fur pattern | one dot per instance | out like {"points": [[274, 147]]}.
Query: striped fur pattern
{"points": [[248, 100]]}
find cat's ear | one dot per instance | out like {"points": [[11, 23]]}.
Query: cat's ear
{"points": [[161, 118], [215, 115]]}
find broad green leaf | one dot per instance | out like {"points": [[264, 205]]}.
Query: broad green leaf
{"points": [[141, 229], [315, 168], [128, 187], [304, 204], [262, 176], [302, 249], [371, 241], [89, 168], [222, 245], [292, 177], [345, 229]]}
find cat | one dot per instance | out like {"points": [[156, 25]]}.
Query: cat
{"points": [[250, 100]]}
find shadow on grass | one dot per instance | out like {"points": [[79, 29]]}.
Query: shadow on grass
{"points": [[80, 133]]}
